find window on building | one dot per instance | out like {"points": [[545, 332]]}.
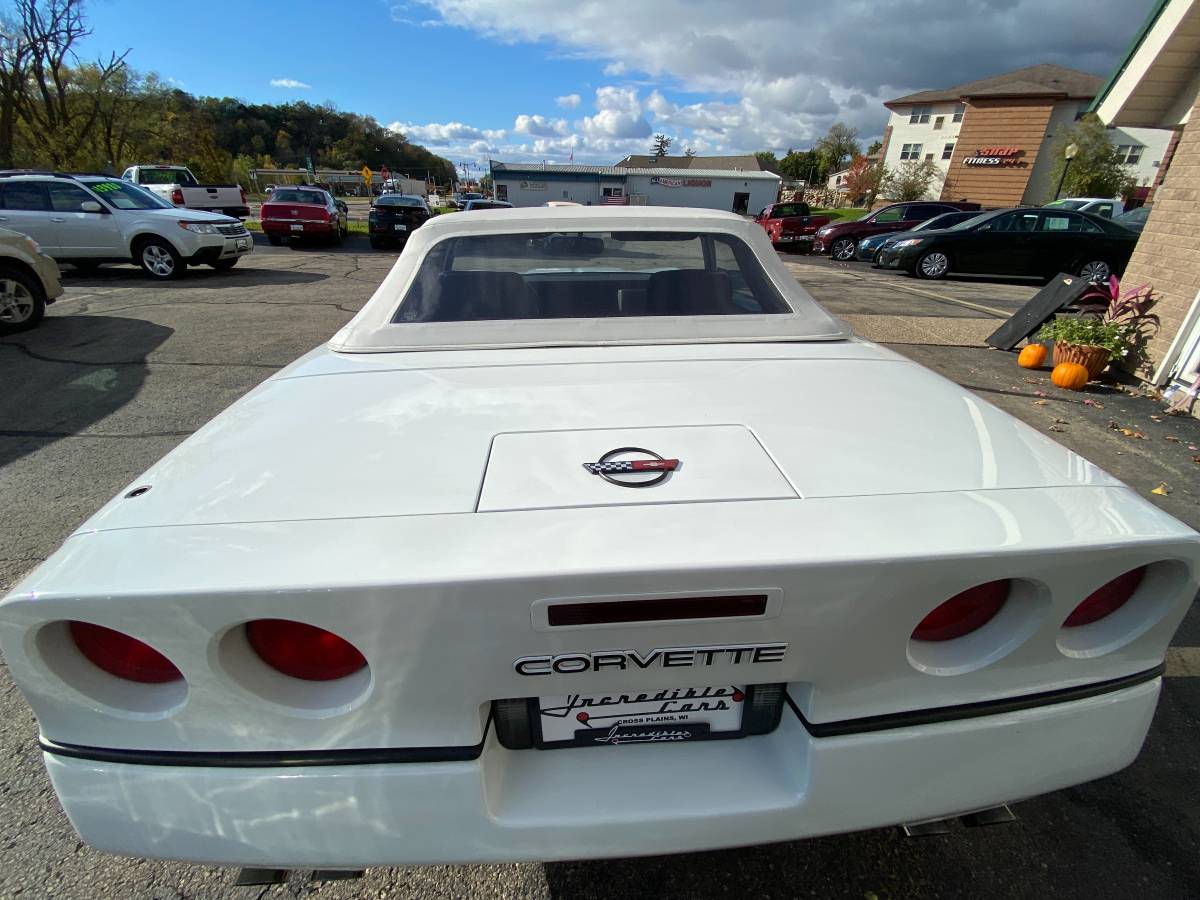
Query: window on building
{"points": [[947, 151], [959, 111], [919, 115], [910, 151], [1130, 154], [938, 122]]}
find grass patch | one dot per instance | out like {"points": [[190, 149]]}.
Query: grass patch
{"points": [[841, 213]]}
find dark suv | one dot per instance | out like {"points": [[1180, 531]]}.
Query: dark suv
{"points": [[840, 239]]}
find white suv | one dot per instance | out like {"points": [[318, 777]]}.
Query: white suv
{"points": [[86, 220]]}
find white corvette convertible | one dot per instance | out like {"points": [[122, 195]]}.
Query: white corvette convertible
{"points": [[591, 535]]}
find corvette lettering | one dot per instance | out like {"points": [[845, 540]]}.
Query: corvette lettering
{"points": [[660, 657]]}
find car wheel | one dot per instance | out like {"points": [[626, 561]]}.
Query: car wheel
{"points": [[158, 259], [843, 249], [224, 265], [933, 265], [274, 240], [337, 237], [1095, 270], [22, 301]]}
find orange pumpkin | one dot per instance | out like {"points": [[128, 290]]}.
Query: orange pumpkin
{"points": [[1071, 376], [1032, 356]]}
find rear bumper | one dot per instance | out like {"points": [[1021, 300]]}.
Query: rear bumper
{"points": [[622, 801], [284, 228]]}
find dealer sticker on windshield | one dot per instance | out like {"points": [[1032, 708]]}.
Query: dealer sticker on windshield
{"points": [[669, 715]]}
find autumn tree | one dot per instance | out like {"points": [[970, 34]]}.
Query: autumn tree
{"points": [[1096, 170], [911, 180], [863, 180], [875, 147]]}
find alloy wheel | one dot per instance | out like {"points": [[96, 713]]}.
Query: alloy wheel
{"points": [[842, 250], [158, 260], [16, 302], [934, 265], [1096, 270]]}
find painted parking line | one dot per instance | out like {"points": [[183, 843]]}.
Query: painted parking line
{"points": [[1183, 662], [978, 307]]}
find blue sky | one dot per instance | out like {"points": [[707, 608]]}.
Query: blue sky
{"points": [[548, 79]]}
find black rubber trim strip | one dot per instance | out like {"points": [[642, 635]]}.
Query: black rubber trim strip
{"points": [[268, 759], [909, 719]]}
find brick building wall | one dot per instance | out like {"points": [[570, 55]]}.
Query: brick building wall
{"points": [[1007, 122], [1168, 254]]}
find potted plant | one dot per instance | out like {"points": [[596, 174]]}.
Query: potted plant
{"points": [[1093, 339]]}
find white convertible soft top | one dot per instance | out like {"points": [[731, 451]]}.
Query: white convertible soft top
{"points": [[374, 331]]}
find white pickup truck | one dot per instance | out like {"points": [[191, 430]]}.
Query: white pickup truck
{"points": [[177, 185]]}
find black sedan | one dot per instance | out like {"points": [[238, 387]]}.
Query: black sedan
{"points": [[394, 217], [1028, 242]]}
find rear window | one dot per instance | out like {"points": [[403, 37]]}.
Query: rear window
{"points": [[166, 176], [556, 275], [293, 195], [395, 200]]}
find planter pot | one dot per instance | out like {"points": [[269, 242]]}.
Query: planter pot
{"points": [[1094, 359]]}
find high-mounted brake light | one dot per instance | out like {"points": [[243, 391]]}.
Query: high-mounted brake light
{"points": [[1107, 599], [177, 196], [303, 651], [121, 655], [963, 613]]}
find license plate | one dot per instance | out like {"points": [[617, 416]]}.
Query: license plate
{"points": [[804, 237], [786, 237], [400, 227], [297, 228], [243, 243], [657, 716]]}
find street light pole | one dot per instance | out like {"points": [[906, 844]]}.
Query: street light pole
{"points": [[1068, 154]]}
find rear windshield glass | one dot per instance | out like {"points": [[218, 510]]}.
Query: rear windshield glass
{"points": [[292, 195], [557, 275], [181, 177], [124, 195], [397, 200]]}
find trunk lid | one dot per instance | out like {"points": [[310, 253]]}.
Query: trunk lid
{"points": [[457, 436]]}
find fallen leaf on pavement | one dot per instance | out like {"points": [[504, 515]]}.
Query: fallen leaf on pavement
{"points": [[1172, 439], [1129, 432], [1040, 394], [1060, 422], [1196, 460], [1088, 401], [1040, 402], [1157, 418], [1112, 423], [1162, 490], [1057, 428]]}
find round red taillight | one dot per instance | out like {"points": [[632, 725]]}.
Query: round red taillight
{"points": [[121, 655], [964, 612], [1106, 600], [303, 651]]}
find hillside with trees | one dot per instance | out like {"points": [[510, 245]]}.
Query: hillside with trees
{"points": [[59, 111]]}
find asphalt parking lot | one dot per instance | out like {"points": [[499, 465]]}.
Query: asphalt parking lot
{"points": [[124, 369]]}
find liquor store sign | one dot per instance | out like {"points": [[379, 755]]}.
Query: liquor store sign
{"points": [[996, 156], [681, 182]]}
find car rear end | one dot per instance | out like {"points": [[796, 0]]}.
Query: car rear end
{"points": [[392, 221], [299, 214], [468, 646]]}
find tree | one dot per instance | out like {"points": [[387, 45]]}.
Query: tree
{"points": [[875, 147], [863, 180], [801, 165], [911, 181], [14, 58], [838, 145], [1096, 170], [689, 152], [661, 144]]}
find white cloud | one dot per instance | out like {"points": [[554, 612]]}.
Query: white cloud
{"points": [[568, 101], [290, 83], [440, 134], [616, 69], [539, 126]]}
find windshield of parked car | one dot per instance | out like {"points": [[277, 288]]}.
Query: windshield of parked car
{"points": [[975, 220], [1068, 204], [123, 195], [943, 221], [295, 195], [398, 200], [1134, 216], [555, 275], [181, 177]]}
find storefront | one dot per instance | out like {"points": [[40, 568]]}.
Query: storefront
{"points": [[735, 191], [992, 140]]}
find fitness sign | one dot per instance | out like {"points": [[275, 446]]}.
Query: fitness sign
{"points": [[996, 156]]}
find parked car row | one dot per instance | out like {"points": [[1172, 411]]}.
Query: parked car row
{"points": [[791, 224], [840, 239]]}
